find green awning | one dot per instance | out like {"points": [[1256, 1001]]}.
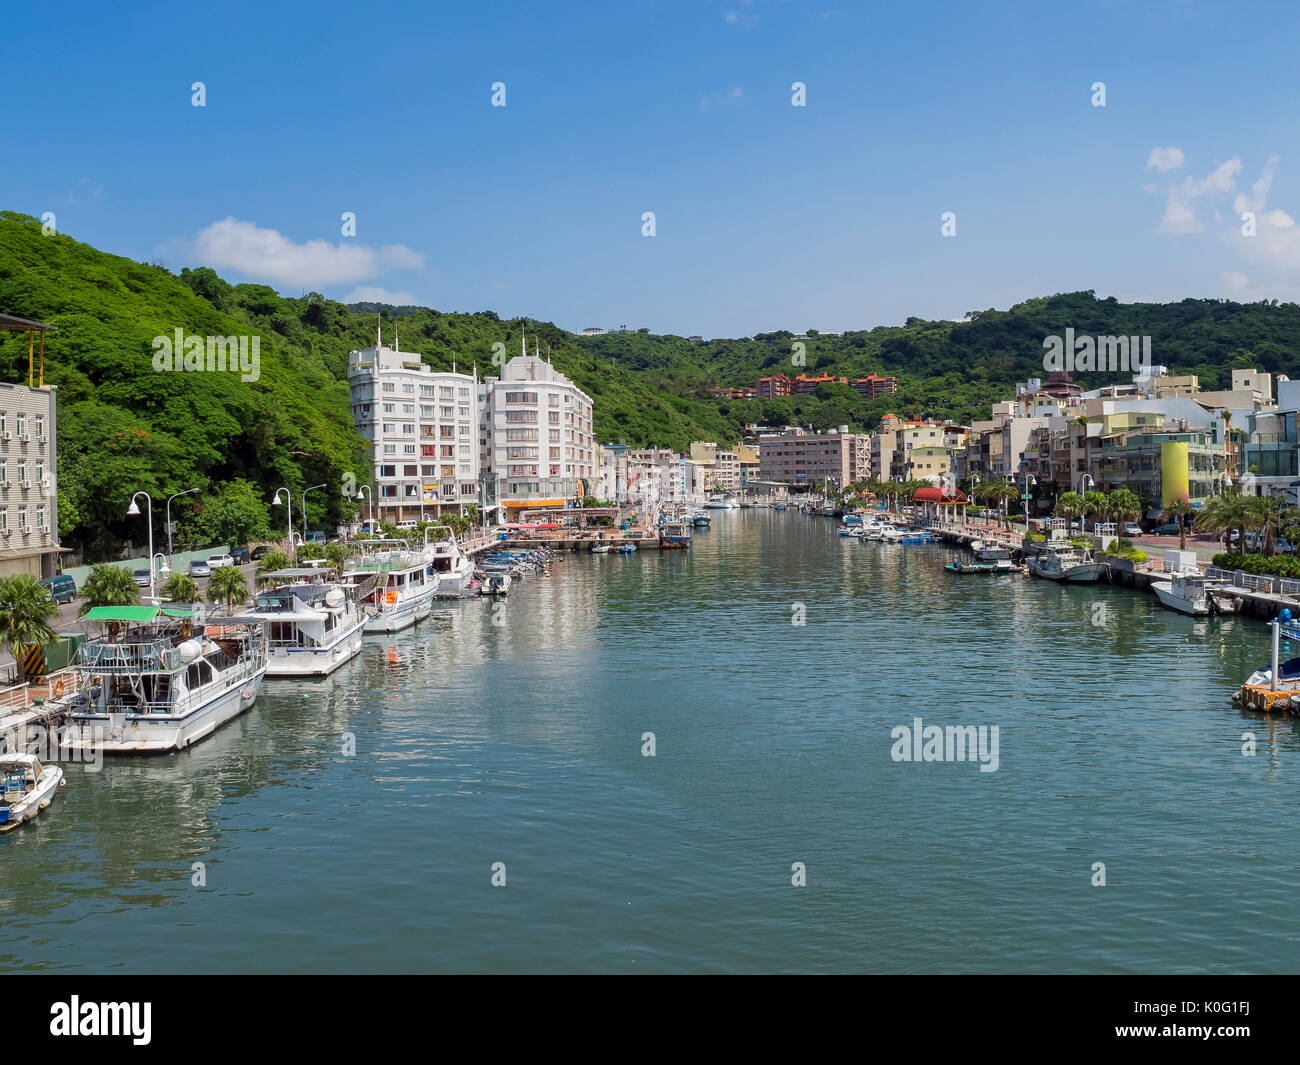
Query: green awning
{"points": [[178, 613], [122, 613]]}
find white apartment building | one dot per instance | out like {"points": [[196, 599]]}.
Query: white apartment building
{"points": [[424, 426], [536, 435]]}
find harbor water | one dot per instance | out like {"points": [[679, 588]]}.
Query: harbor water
{"points": [[771, 663]]}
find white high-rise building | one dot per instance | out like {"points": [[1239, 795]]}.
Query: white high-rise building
{"points": [[536, 436], [424, 427]]}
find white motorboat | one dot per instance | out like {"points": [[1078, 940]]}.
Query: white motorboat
{"points": [[313, 625], [27, 788], [153, 681], [1065, 562], [495, 584], [1189, 593], [602, 549], [722, 504], [453, 568], [394, 588]]}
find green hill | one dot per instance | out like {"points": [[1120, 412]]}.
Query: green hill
{"points": [[125, 427]]}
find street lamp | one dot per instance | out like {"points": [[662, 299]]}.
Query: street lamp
{"points": [[133, 511], [1082, 491], [304, 508], [169, 518], [164, 570], [288, 499], [1029, 481], [370, 498]]}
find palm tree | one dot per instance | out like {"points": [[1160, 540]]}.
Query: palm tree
{"points": [[108, 585], [182, 588], [1264, 509], [1069, 506], [1095, 505], [228, 585], [26, 610], [1178, 511], [1124, 505], [1225, 514]]}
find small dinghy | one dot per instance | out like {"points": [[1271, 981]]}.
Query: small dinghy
{"points": [[28, 788], [626, 549], [971, 567], [496, 584], [602, 549]]}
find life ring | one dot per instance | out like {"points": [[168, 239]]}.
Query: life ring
{"points": [[57, 689]]}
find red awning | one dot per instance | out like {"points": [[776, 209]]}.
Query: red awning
{"points": [[935, 494]]}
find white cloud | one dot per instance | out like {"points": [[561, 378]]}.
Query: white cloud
{"points": [[1165, 159], [375, 294], [1258, 191], [734, 95], [269, 255], [1180, 208]]}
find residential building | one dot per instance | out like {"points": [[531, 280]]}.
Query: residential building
{"points": [[799, 457], [872, 386], [774, 387], [424, 427], [537, 435]]}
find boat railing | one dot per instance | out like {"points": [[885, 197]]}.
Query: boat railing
{"points": [[138, 656]]}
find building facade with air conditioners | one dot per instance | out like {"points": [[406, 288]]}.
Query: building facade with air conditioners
{"points": [[29, 491], [424, 426]]}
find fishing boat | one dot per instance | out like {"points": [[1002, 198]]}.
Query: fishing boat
{"points": [[313, 625], [970, 567], [626, 549], [452, 567], [496, 584], [780, 506], [999, 557], [701, 521], [1187, 592], [674, 531], [27, 788], [1065, 562], [392, 585], [153, 681]]}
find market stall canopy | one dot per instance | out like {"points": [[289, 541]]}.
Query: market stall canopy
{"points": [[935, 494]]}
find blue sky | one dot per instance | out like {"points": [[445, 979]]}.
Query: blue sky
{"points": [[767, 215]]}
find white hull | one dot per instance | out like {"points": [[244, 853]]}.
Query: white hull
{"points": [[315, 661], [34, 801], [394, 617], [1194, 607], [161, 733]]}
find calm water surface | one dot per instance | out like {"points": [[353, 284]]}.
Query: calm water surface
{"points": [[520, 742]]}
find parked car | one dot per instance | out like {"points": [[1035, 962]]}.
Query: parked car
{"points": [[258, 552], [1132, 529], [240, 555], [63, 588], [220, 561], [141, 577], [1169, 529], [199, 568]]}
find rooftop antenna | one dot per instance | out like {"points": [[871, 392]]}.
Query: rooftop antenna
{"points": [[379, 329]]}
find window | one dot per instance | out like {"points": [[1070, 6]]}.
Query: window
{"points": [[408, 389], [426, 451], [555, 417], [463, 392], [4, 518], [446, 392], [426, 410], [409, 471], [22, 518], [521, 397], [408, 408], [446, 431], [390, 408], [40, 472], [40, 425], [22, 470], [521, 416], [40, 517], [387, 386], [426, 390], [22, 423], [446, 411]]}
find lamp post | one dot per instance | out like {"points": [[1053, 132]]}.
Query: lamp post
{"points": [[1029, 481], [289, 499], [164, 570], [133, 511], [304, 508], [1082, 491], [370, 498], [169, 518]]}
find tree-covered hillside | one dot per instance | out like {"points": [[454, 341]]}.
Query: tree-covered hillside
{"points": [[957, 369], [125, 427]]}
